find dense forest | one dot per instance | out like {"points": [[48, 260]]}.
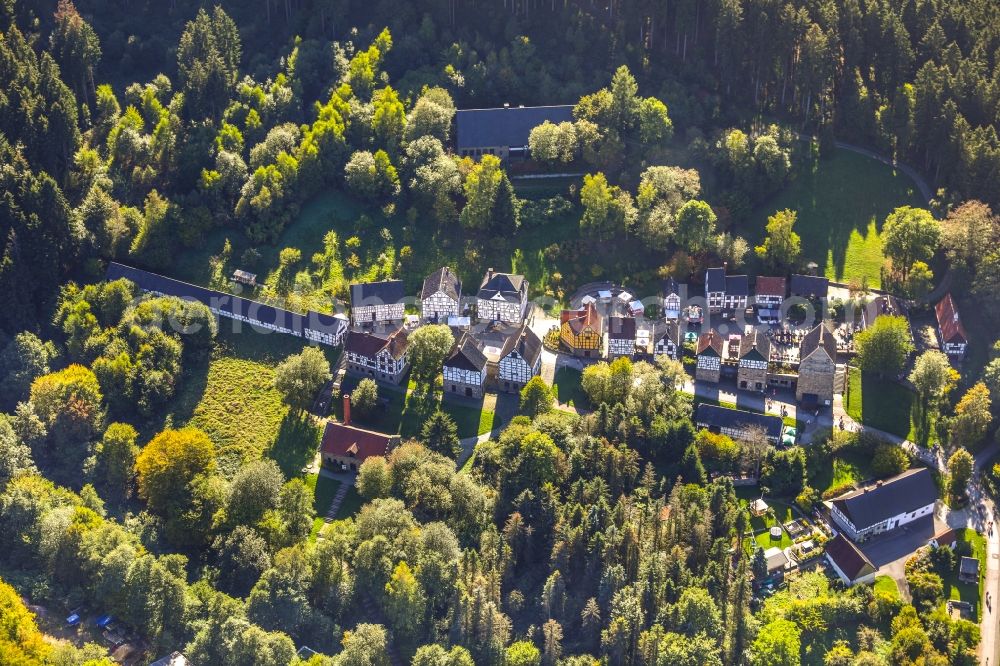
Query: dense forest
{"points": [[133, 130]]}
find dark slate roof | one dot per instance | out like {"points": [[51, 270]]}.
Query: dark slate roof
{"points": [[504, 127], [377, 293], [770, 286], [715, 279], [724, 417], [466, 355], [737, 285], [621, 328], [755, 344], [949, 322], [821, 335], [968, 566], [809, 285], [227, 303], [508, 285], [904, 493], [670, 286], [849, 558], [444, 280], [710, 340], [671, 330], [526, 343], [369, 344]]}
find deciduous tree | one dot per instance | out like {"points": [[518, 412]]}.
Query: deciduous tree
{"points": [[909, 235], [300, 376], [884, 346]]}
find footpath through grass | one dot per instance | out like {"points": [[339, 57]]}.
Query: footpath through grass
{"points": [[842, 202]]}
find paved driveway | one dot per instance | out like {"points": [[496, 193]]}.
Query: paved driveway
{"points": [[898, 545]]}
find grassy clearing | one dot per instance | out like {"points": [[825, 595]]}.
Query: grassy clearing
{"points": [[230, 396], [886, 585], [971, 593], [842, 202], [881, 404], [568, 389]]}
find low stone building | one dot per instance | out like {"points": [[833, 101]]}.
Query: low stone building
{"points": [[817, 367], [346, 446]]}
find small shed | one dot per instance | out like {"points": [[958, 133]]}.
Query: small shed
{"points": [[245, 277], [776, 558], [758, 507], [968, 570]]}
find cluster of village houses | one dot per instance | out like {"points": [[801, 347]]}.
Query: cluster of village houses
{"points": [[496, 349]]}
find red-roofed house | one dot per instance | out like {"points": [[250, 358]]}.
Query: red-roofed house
{"points": [[346, 446], [953, 336], [851, 565]]}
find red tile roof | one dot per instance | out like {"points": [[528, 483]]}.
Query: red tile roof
{"points": [[346, 440], [582, 318], [770, 286], [710, 340], [849, 558], [948, 321]]}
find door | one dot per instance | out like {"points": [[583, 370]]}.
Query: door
{"points": [[468, 391]]}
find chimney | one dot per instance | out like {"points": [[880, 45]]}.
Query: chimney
{"points": [[347, 409], [489, 273], [506, 105]]}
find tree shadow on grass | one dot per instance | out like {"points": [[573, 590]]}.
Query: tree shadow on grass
{"points": [[419, 405], [296, 443], [193, 383]]}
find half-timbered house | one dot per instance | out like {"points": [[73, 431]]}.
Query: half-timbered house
{"points": [[621, 336], [380, 356], [441, 295], [709, 351], [377, 302], [464, 371], [502, 297], [582, 331]]}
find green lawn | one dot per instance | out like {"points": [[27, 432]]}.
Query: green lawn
{"points": [[842, 203], [405, 414], [567, 388], [968, 592], [884, 405], [350, 505], [324, 489], [231, 398], [844, 467], [761, 525], [886, 585]]}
